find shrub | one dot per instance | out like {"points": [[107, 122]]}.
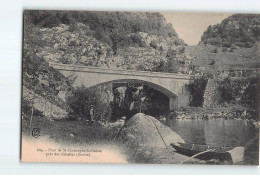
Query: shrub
{"points": [[197, 89], [81, 100], [182, 50], [137, 40], [251, 94], [215, 50], [153, 44]]}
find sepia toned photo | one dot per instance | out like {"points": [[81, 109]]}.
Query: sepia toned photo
{"points": [[140, 87]]}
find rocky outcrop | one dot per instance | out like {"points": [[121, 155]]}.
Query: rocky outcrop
{"points": [[43, 105], [73, 47], [146, 140], [72, 44], [237, 30]]}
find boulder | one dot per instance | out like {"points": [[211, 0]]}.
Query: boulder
{"points": [[148, 131]]}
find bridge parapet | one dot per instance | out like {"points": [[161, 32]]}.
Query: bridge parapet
{"points": [[78, 68]]}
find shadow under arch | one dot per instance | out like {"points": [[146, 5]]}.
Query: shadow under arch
{"points": [[172, 97]]}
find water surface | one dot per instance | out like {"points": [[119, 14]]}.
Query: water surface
{"points": [[221, 133]]}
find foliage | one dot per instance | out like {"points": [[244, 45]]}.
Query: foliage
{"points": [[27, 109], [251, 94], [176, 60], [109, 27], [237, 30], [197, 89], [153, 44], [239, 91], [80, 101]]}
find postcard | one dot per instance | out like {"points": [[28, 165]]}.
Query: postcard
{"points": [[140, 87]]}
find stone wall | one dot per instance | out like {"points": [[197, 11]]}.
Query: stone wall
{"points": [[211, 95]]}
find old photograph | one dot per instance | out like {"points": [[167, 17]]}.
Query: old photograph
{"points": [[140, 87]]}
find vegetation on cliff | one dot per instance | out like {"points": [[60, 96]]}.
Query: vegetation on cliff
{"points": [[112, 28], [241, 30], [124, 40], [228, 57]]}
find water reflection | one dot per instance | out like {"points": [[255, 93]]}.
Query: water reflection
{"points": [[221, 133]]}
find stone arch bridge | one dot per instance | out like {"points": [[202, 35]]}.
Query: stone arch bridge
{"points": [[170, 84]]}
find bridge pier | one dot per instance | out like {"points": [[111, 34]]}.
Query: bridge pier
{"points": [[173, 103]]}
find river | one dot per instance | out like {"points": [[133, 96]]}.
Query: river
{"points": [[220, 132]]}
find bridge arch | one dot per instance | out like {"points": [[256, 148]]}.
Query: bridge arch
{"points": [[172, 97]]}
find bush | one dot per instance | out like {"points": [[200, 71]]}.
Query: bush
{"points": [[82, 98], [239, 29], [182, 50], [141, 67], [224, 49], [197, 89], [27, 109], [153, 44], [251, 94], [243, 89], [137, 40], [215, 50], [179, 42]]}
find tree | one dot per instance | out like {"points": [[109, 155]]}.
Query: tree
{"points": [[197, 89], [81, 100]]}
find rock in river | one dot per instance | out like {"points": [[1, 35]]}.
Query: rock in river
{"points": [[147, 131]]}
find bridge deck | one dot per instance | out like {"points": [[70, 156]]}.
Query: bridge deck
{"points": [[120, 72]]}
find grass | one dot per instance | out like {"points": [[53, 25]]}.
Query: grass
{"points": [[70, 131], [237, 58]]}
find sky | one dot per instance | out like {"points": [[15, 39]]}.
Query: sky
{"points": [[190, 26]]}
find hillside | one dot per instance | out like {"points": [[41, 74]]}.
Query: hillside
{"points": [[123, 40], [242, 30], [220, 58], [231, 45]]}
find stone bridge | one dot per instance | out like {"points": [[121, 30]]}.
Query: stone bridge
{"points": [[170, 84]]}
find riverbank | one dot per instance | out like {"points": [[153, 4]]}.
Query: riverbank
{"points": [[139, 142], [97, 141], [71, 131], [200, 113], [79, 134]]}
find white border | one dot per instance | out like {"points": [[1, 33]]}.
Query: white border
{"points": [[10, 83]]}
